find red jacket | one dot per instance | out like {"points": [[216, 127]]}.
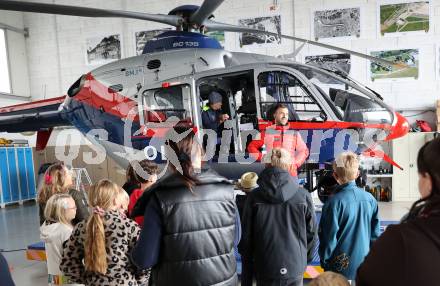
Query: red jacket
{"points": [[135, 195], [281, 136]]}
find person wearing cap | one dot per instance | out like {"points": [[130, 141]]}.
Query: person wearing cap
{"points": [[212, 115], [247, 184]]}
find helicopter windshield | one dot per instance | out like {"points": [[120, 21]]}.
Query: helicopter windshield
{"points": [[348, 103]]}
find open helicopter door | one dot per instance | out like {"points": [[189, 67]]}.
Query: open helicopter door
{"points": [[237, 90], [163, 106]]}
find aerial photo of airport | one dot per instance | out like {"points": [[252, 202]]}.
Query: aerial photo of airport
{"points": [[407, 64], [404, 17]]}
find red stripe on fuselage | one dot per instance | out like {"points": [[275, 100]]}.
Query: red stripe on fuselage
{"points": [[299, 125], [97, 95], [34, 104]]}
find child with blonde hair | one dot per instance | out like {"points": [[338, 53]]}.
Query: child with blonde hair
{"points": [[329, 278], [103, 242], [59, 212], [349, 221], [123, 201], [58, 180]]}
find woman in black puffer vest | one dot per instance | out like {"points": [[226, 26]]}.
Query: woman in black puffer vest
{"points": [[191, 222]]}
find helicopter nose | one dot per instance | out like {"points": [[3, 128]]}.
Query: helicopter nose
{"points": [[399, 128]]}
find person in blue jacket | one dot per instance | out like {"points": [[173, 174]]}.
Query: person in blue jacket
{"points": [[349, 221]]}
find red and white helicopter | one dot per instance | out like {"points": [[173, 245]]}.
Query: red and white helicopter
{"points": [[177, 71]]}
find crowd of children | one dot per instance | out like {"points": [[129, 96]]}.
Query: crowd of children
{"points": [[182, 229]]}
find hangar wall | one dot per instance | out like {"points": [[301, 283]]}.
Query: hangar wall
{"points": [[412, 97]]}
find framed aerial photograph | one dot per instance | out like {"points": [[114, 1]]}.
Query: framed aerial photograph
{"points": [[407, 64], [337, 23], [102, 50], [271, 24], [142, 37], [335, 62], [404, 17]]}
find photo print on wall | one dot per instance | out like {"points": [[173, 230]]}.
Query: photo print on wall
{"points": [[337, 23], [270, 24], [102, 50], [408, 57], [335, 62], [142, 37], [404, 17]]}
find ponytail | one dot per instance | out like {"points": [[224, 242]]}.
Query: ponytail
{"points": [[95, 254], [101, 198], [53, 182]]}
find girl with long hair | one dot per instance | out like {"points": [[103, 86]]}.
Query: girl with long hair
{"points": [[190, 221], [103, 242], [408, 253], [59, 212], [58, 180]]}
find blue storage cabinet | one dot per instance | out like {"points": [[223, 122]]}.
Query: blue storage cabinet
{"points": [[17, 179]]}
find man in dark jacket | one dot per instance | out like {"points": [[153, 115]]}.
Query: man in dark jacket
{"points": [[279, 228]]}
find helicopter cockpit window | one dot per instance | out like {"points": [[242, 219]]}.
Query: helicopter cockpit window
{"points": [[165, 103], [348, 103], [281, 87]]}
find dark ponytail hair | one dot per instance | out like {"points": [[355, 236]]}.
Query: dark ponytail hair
{"points": [[428, 162], [183, 150]]}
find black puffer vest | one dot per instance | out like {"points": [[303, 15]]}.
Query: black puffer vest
{"points": [[198, 232]]}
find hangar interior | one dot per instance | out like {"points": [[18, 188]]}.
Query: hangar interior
{"points": [[43, 55]]}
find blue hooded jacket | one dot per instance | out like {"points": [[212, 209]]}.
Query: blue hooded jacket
{"points": [[348, 225]]}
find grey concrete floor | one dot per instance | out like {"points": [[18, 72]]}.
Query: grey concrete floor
{"points": [[19, 228]]}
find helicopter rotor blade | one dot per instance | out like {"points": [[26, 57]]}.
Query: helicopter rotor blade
{"points": [[87, 12], [216, 26], [205, 10]]}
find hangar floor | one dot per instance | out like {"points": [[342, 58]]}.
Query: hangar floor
{"points": [[19, 228]]}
